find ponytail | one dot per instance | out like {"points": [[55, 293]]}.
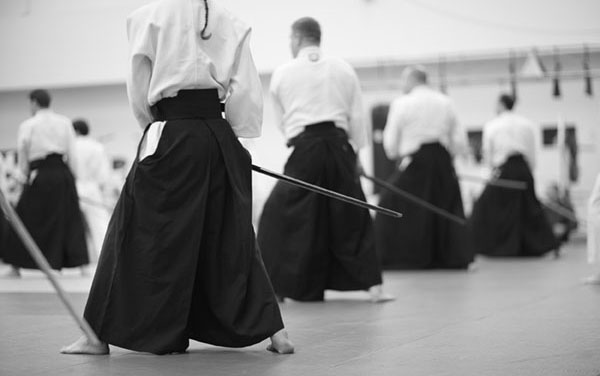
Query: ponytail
{"points": [[203, 34]]}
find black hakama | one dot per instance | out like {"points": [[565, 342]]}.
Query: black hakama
{"points": [[509, 222], [180, 259], [311, 242], [49, 209], [423, 239], [4, 229]]}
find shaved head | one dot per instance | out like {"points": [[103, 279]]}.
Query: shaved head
{"points": [[412, 76], [305, 32]]}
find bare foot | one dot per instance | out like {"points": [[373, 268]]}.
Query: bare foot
{"points": [[280, 343], [83, 346], [592, 280], [14, 273], [379, 296]]}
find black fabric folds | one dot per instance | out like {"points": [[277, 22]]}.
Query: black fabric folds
{"points": [[511, 222], [49, 209], [180, 260], [422, 239], [311, 242]]}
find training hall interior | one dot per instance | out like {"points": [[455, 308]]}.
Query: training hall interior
{"points": [[515, 316]]}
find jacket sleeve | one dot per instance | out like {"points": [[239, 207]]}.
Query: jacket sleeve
{"points": [[244, 106]]}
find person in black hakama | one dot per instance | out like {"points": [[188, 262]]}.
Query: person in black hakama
{"points": [[422, 134], [93, 173], [511, 222], [4, 225], [4, 231], [311, 243], [180, 259], [49, 205]]}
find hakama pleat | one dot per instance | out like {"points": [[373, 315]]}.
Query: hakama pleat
{"points": [[49, 209], [423, 239], [509, 223], [180, 260], [310, 242]]}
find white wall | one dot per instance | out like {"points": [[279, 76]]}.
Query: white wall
{"points": [[78, 49], [107, 110], [83, 42]]}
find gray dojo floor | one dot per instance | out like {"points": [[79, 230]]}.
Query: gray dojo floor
{"points": [[508, 317]]}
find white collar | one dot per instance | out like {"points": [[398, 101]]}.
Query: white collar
{"points": [[43, 111], [309, 52]]}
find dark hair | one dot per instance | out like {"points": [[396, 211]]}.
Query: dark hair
{"points": [[203, 34], [308, 28], [419, 73], [81, 127], [41, 97], [507, 100]]}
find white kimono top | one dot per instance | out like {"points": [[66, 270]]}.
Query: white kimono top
{"points": [[93, 165], [167, 54], [510, 134], [314, 88], [422, 116], [43, 134]]}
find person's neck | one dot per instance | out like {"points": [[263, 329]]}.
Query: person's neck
{"points": [[308, 46], [418, 87], [41, 110]]}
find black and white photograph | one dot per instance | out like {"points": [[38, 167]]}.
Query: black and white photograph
{"points": [[291, 188]]}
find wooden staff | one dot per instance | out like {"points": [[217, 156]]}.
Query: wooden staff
{"points": [[501, 183], [416, 200], [326, 192], [565, 213], [42, 263]]}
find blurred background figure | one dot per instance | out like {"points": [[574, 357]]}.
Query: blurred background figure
{"points": [[311, 243], [92, 169], [562, 226], [509, 222], [423, 135], [11, 189], [48, 206], [593, 231], [4, 227], [3, 221]]}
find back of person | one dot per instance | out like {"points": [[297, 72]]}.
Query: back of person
{"points": [[179, 260], [317, 88], [47, 133], [428, 116], [171, 44], [93, 173], [310, 243], [92, 164], [510, 134], [422, 134], [422, 116], [506, 222], [48, 205]]}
